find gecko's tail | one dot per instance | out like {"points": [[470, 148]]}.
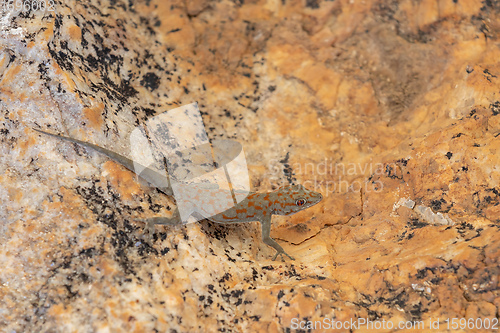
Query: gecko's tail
{"points": [[151, 176], [83, 143]]}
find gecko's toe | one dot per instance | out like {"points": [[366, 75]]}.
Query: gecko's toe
{"points": [[281, 255], [148, 236], [149, 230]]}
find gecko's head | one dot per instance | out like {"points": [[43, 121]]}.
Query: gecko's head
{"points": [[294, 198]]}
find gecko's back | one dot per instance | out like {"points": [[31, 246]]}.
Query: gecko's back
{"points": [[286, 200]]}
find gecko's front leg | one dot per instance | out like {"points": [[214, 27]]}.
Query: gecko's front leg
{"points": [[266, 238]]}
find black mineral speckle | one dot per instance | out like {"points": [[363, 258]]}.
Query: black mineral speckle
{"points": [[150, 81], [312, 4]]}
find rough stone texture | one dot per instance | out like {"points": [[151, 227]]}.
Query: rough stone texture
{"points": [[377, 104]]}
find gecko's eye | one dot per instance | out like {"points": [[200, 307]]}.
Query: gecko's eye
{"points": [[300, 202]]}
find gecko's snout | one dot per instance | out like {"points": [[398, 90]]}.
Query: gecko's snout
{"points": [[316, 196]]}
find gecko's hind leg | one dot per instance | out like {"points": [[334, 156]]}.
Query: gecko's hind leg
{"points": [[152, 221], [266, 238]]}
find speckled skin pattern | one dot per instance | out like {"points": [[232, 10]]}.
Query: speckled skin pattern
{"points": [[258, 206]]}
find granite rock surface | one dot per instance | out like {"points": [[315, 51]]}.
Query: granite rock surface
{"points": [[390, 109]]}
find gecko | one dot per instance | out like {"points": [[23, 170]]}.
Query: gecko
{"points": [[257, 206]]}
